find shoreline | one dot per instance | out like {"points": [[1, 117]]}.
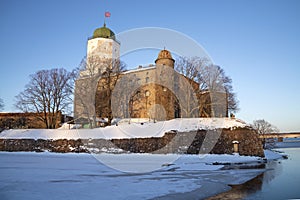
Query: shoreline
{"points": [[287, 144], [245, 186]]}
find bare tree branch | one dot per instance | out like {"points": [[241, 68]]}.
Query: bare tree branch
{"points": [[94, 86], [264, 127], [48, 93], [212, 80], [1, 104]]}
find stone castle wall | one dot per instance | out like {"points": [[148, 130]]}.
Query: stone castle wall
{"points": [[146, 98], [182, 142], [27, 120]]}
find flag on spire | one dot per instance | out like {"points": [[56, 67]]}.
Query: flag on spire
{"points": [[107, 14]]}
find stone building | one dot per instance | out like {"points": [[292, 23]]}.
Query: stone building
{"points": [[156, 92], [28, 120]]}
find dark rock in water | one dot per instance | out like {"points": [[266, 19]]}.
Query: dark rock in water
{"points": [[244, 166], [220, 163]]}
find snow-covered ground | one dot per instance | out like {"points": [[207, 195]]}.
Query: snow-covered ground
{"points": [[81, 176], [126, 130]]}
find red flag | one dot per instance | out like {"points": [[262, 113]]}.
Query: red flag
{"points": [[107, 14]]}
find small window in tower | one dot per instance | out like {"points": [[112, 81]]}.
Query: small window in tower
{"points": [[147, 79], [147, 93], [138, 94]]}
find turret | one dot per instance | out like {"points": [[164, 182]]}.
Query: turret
{"points": [[165, 58]]}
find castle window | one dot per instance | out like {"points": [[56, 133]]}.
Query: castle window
{"points": [[138, 94], [147, 93], [147, 79]]}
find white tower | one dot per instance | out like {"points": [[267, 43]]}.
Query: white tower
{"points": [[101, 47], [102, 50]]}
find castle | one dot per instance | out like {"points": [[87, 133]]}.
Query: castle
{"points": [[157, 92]]}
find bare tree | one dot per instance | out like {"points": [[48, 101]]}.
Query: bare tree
{"points": [[188, 97], [111, 74], [264, 127], [94, 87], [190, 67], [1, 104], [214, 86], [48, 93], [85, 89]]}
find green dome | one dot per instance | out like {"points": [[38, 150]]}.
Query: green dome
{"points": [[104, 32]]}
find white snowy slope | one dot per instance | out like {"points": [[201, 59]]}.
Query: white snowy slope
{"points": [[82, 176], [273, 155], [126, 130]]}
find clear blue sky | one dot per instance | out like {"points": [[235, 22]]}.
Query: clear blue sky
{"points": [[257, 42]]}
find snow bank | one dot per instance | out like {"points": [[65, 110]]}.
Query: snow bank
{"points": [[135, 129], [66, 126], [273, 155]]}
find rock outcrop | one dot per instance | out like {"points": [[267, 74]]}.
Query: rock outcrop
{"points": [[219, 141]]}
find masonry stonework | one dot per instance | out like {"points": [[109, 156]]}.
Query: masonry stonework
{"points": [[152, 99], [171, 142]]}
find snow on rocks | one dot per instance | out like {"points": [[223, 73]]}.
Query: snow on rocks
{"points": [[134, 129]]}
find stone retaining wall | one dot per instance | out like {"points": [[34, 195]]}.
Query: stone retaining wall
{"points": [[217, 141]]}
